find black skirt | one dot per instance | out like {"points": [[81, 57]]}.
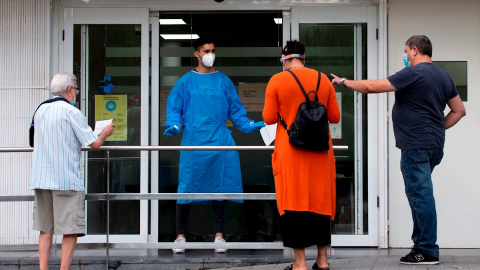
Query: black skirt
{"points": [[305, 229]]}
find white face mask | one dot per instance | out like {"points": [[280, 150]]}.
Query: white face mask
{"points": [[208, 59]]}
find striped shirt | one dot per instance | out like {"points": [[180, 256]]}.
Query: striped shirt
{"points": [[60, 132]]}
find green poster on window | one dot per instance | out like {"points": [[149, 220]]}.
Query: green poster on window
{"points": [[113, 107]]}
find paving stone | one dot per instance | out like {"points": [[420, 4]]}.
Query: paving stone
{"points": [[351, 258]]}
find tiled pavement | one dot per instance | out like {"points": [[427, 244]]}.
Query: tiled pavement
{"points": [[341, 258]]}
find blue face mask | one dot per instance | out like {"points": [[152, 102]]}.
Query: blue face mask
{"points": [[405, 61]]}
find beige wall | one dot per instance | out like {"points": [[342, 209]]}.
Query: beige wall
{"points": [[453, 27], [24, 83]]}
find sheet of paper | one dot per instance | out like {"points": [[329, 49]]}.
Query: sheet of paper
{"points": [[268, 133], [100, 125]]}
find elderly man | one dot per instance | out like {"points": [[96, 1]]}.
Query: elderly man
{"points": [[60, 132]]}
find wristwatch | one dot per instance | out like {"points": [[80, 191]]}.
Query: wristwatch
{"points": [[341, 81]]}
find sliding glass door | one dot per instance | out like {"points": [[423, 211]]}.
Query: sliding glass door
{"points": [[110, 56], [337, 41]]}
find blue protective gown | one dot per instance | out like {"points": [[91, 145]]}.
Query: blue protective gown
{"points": [[203, 103]]}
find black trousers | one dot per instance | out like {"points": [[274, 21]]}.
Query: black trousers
{"points": [[304, 229], [183, 214]]}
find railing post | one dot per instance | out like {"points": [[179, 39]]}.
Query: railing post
{"points": [[108, 209]]}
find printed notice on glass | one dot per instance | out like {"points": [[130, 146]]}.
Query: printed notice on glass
{"points": [[336, 129], [252, 96], [113, 107]]}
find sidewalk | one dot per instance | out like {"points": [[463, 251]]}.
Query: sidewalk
{"points": [[341, 258], [374, 259]]}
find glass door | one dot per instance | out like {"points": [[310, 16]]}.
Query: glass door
{"points": [[249, 58], [110, 56], [341, 46], [340, 49]]}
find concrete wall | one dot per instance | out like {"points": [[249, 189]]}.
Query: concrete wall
{"points": [[452, 27], [24, 83]]}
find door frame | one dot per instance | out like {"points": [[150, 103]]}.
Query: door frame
{"points": [[140, 16], [374, 16], [376, 111]]}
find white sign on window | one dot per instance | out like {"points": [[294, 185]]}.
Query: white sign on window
{"points": [[336, 129]]}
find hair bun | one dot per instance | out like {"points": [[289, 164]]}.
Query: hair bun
{"points": [[293, 47]]}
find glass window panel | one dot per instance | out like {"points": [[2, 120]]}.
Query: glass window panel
{"points": [[458, 71], [332, 48], [107, 59], [248, 48]]}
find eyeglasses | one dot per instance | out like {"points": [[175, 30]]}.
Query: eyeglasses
{"points": [[76, 88]]}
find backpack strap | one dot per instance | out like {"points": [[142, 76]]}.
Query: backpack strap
{"points": [[318, 85], [46, 101], [305, 93], [301, 86], [282, 122]]}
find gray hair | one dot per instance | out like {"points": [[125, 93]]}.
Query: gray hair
{"points": [[61, 82]]}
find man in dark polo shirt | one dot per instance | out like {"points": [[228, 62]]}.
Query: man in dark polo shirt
{"points": [[422, 91]]}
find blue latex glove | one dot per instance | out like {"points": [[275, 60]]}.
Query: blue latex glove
{"points": [[256, 126], [171, 131]]}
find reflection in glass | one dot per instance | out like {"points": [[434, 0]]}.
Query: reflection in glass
{"points": [[107, 60], [340, 49], [458, 71], [248, 47]]}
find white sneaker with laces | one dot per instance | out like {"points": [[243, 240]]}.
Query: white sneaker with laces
{"points": [[179, 250], [220, 240]]}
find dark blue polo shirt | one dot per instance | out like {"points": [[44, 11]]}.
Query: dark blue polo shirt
{"points": [[422, 94]]}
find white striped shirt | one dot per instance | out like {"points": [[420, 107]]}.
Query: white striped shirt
{"points": [[60, 132]]}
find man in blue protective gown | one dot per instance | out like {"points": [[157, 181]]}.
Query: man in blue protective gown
{"points": [[201, 102]]}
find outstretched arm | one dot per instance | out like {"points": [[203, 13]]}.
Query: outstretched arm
{"points": [[365, 86]]}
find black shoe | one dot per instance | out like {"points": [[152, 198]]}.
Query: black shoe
{"points": [[412, 251], [315, 267], [416, 256]]}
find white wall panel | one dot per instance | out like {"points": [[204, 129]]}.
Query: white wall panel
{"points": [[452, 26], [24, 79]]}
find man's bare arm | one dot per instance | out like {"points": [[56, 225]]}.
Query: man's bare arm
{"points": [[366, 86], [107, 131], [457, 111]]}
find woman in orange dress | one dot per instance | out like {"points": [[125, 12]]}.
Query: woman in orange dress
{"points": [[304, 180]]}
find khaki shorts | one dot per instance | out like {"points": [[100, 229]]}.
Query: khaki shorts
{"points": [[59, 212]]}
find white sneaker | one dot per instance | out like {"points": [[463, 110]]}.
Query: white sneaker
{"points": [[179, 250], [220, 240]]}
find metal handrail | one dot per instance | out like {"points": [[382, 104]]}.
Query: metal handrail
{"points": [[157, 196], [168, 148], [161, 196]]}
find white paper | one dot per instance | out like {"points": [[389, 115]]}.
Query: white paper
{"points": [[268, 133], [100, 125]]}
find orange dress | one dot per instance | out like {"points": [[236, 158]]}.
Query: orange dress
{"points": [[304, 180]]}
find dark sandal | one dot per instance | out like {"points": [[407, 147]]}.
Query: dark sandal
{"points": [[290, 267], [315, 266]]}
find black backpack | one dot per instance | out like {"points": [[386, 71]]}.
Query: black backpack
{"points": [[309, 131], [32, 125]]}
